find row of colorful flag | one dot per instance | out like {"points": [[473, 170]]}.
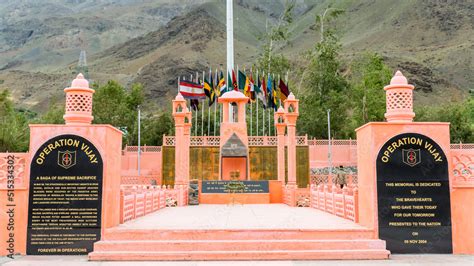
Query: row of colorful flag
{"points": [[270, 91]]}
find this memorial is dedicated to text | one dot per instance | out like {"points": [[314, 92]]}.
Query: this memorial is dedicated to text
{"points": [[413, 195]]}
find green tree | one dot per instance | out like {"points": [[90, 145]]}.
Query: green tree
{"points": [[54, 115], [369, 76], [14, 132], [275, 36], [458, 114], [154, 127], [324, 88], [114, 105]]}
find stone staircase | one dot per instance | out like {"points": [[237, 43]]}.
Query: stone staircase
{"points": [[237, 244]]}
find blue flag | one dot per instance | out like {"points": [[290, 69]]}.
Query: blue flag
{"points": [[269, 91]]}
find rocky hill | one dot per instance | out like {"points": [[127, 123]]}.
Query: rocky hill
{"points": [[153, 42]]}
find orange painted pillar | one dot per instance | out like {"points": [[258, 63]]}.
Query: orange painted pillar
{"points": [[108, 141], [234, 126], [187, 141], [181, 115], [291, 115], [371, 138], [280, 126]]}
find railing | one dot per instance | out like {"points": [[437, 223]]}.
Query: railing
{"points": [[463, 146], [302, 140], [298, 197], [141, 180], [346, 179], [334, 142], [169, 140], [215, 141], [263, 141], [332, 199], [138, 201], [142, 149], [20, 163], [302, 197], [463, 165], [205, 141]]}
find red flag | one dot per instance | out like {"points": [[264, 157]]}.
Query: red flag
{"points": [[234, 81], [284, 92]]}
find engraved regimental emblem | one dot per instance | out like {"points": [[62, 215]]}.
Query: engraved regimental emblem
{"points": [[411, 157], [66, 159]]}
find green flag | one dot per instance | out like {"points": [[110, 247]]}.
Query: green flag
{"points": [[242, 79]]}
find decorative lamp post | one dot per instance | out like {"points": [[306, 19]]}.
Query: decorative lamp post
{"points": [[399, 99], [79, 102]]}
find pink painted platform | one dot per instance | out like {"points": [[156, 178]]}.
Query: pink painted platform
{"points": [[239, 232]]}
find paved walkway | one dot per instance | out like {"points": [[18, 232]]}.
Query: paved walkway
{"points": [[249, 216], [396, 260]]}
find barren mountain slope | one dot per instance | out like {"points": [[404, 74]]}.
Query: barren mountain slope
{"points": [[154, 42]]}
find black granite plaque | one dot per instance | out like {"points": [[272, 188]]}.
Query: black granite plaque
{"points": [[414, 209], [223, 186], [234, 147], [64, 213]]}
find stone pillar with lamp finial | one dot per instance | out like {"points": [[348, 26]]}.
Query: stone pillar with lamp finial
{"points": [[399, 99], [181, 123], [79, 149], [415, 152], [78, 102], [291, 116]]}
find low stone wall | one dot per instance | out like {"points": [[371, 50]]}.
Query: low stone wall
{"points": [[334, 200], [138, 201]]}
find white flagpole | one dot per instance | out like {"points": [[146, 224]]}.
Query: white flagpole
{"points": [[273, 108], [202, 114], [197, 116], [269, 130], [286, 81], [139, 148], [279, 94], [196, 112], [256, 105], [251, 131], [216, 102], [230, 38], [208, 106], [263, 123]]}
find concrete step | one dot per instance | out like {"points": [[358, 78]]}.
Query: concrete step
{"points": [[240, 255], [235, 234], [236, 245]]}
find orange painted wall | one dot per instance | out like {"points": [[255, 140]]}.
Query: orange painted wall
{"points": [[276, 191], [462, 214], [239, 198], [230, 164], [20, 194], [370, 139], [150, 163], [345, 155]]}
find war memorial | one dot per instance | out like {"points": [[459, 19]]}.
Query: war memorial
{"points": [[235, 195], [78, 192]]}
